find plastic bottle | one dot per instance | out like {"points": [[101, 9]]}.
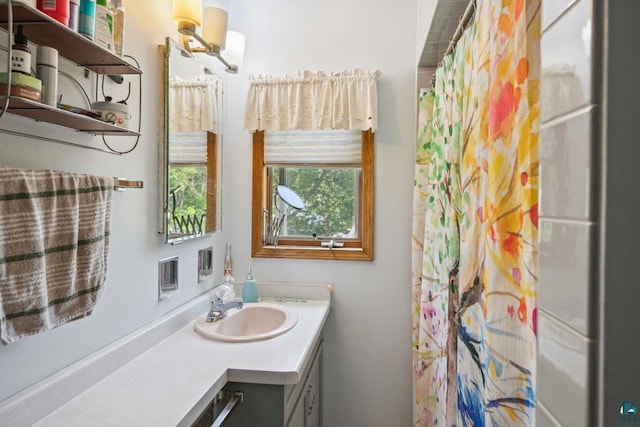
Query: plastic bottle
{"points": [[227, 260], [117, 9], [87, 18], [250, 288], [225, 289], [20, 53], [74, 15], [47, 72], [57, 9], [104, 26]]}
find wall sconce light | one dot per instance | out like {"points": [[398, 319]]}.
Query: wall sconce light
{"points": [[188, 13]]}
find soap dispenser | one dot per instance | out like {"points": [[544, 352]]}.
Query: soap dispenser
{"points": [[250, 288]]}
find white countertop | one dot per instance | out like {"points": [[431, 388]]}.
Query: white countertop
{"points": [[173, 381]]}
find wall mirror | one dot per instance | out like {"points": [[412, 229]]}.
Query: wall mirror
{"points": [[191, 147]]}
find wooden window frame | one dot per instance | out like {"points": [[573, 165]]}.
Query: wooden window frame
{"points": [[212, 183], [354, 249]]}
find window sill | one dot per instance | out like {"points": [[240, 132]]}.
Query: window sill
{"points": [[306, 252]]}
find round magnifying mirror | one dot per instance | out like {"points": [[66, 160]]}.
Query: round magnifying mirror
{"points": [[290, 197]]}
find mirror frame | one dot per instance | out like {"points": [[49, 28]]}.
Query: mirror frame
{"points": [[214, 149]]}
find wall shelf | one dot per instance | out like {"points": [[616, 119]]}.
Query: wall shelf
{"points": [[44, 113], [45, 31]]}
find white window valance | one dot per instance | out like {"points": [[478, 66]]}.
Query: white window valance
{"points": [[336, 147], [310, 101], [194, 104]]}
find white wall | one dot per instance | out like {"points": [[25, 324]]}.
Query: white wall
{"points": [[368, 335], [130, 295]]}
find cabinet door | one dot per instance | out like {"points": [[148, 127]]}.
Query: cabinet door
{"points": [[313, 398], [297, 418]]}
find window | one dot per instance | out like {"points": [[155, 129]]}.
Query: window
{"points": [[332, 171], [313, 132]]}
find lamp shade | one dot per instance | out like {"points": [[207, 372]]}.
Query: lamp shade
{"points": [[187, 12], [214, 27], [234, 52]]}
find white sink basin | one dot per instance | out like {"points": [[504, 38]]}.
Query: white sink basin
{"points": [[254, 322]]}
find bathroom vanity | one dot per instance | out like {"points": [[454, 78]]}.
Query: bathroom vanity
{"points": [[272, 405], [173, 382]]}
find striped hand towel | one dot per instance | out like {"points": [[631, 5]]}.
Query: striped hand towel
{"points": [[54, 239]]}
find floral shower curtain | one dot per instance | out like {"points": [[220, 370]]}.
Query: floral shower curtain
{"points": [[475, 226]]}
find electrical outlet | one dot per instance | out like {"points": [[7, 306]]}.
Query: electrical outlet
{"points": [[205, 264], [167, 278]]}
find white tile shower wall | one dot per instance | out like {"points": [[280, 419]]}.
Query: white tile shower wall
{"points": [[567, 167], [552, 9], [544, 418], [565, 372], [567, 291], [565, 281], [566, 62]]}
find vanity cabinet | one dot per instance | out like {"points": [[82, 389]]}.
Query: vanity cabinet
{"points": [[45, 31], [295, 405], [307, 412]]}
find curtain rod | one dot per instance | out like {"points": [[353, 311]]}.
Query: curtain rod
{"points": [[464, 21], [462, 25]]}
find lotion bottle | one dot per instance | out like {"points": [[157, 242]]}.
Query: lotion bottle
{"points": [[104, 26], [250, 288], [87, 24]]}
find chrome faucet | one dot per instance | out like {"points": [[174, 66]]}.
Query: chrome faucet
{"points": [[219, 308]]}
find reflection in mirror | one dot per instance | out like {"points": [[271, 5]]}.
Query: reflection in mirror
{"points": [[191, 169]]}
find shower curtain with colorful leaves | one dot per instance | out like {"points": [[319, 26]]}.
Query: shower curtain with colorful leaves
{"points": [[475, 226]]}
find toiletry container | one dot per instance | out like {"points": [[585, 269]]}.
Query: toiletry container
{"points": [[30, 3], [117, 10], [250, 288], [113, 112], [57, 9], [20, 53], [225, 291], [103, 36], [74, 15], [47, 72], [87, 18]]}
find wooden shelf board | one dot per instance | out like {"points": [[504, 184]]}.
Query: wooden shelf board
{"points": [[45, 31], [41, 112]]}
